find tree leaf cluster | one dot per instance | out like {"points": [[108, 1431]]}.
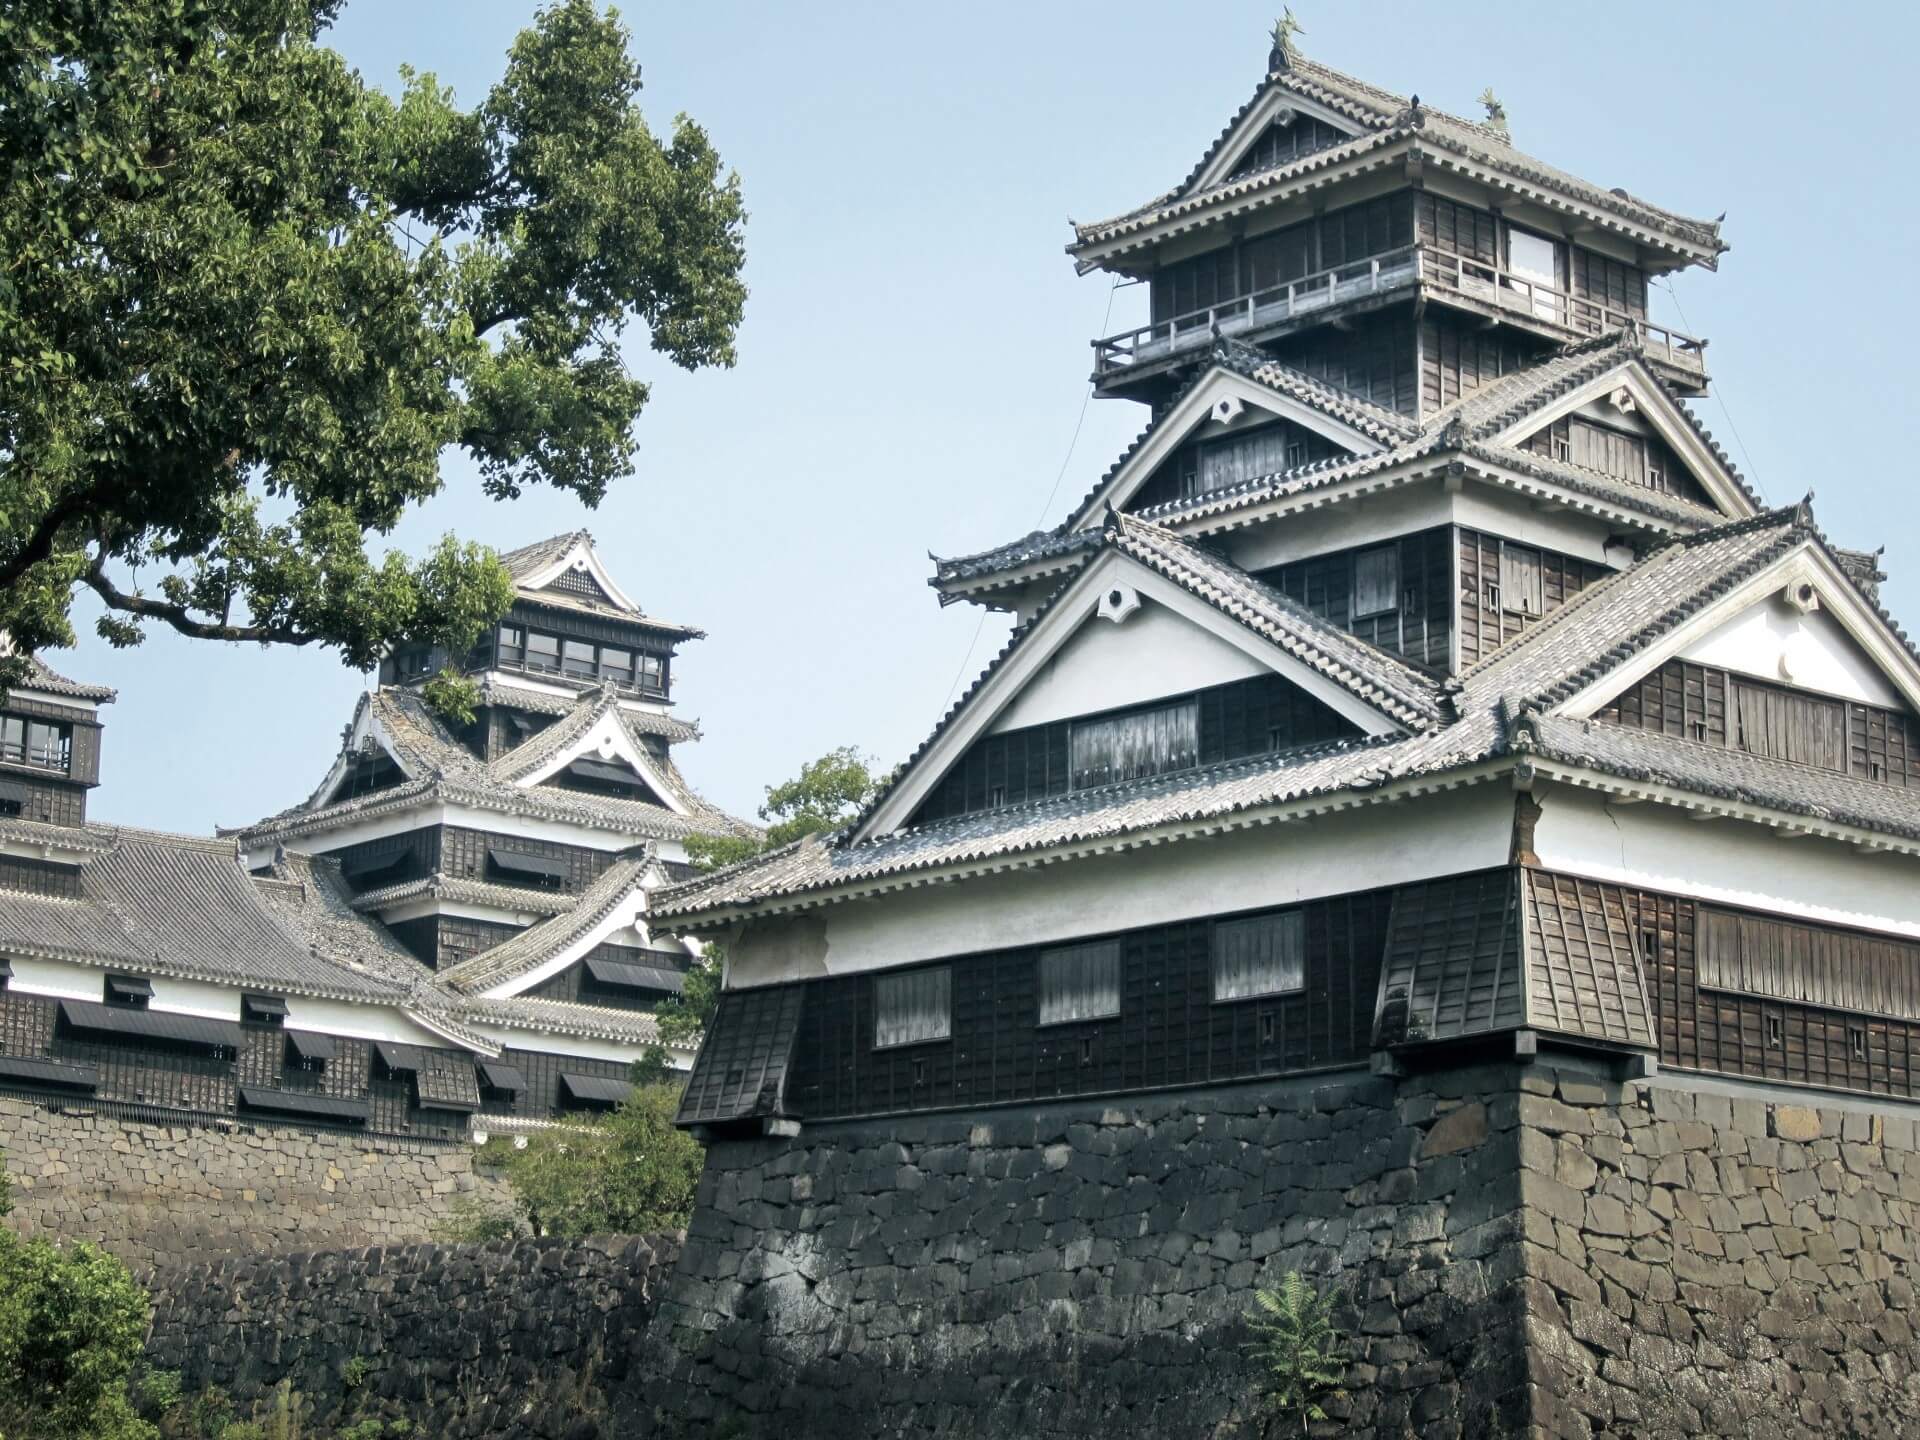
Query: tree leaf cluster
{"points": [[247, 301]]}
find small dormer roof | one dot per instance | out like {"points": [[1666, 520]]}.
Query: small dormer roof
{"points": [[565, 572]]}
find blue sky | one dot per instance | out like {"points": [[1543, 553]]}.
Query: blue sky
{"points": [[914, 357]]}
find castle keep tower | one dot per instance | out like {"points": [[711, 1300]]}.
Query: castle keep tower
{"points": [[1364, 857]]}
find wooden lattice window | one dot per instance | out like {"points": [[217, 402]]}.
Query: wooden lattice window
{"points": [[913, 1007], [1260, 955], [1080, 982]]}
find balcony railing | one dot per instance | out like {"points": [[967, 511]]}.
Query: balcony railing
{"points": [[1527, 301]]}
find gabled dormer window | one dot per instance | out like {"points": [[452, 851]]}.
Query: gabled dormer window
{"points": [[263, 1010], [128, 992]]}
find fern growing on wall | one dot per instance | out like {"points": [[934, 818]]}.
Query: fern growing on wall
{"points": [[1300, 1348]]}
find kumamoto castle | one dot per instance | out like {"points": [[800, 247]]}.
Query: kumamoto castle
{"points": [[1433, 828]]}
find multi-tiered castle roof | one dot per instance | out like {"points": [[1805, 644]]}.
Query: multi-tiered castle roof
{"points": [[1372, 700]]}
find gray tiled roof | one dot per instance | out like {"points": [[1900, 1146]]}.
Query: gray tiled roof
{"points": [[439, 767], [509, 696], [537, 944], [171, 905], [529, 560], [1497, 706], [1384, 117], [1464, 428], [1384, 681], [561, 1017], [459, 888], [48, 681]]}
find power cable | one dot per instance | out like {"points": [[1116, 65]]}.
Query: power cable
{"points": [[1720, 399], [967, 659]]}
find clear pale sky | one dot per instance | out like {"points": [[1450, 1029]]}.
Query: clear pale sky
{"points": [[914, 356]]}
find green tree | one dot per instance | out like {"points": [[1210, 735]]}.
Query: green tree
{"points": [[633, 1172], [247, 301], [825, 795], [72, 1323], [1299, 1346]]}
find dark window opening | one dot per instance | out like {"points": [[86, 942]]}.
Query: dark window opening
{"points": [[308, 1051], [1773, 1032], [523, 867], [1857, 1041], [43, 744], [13, 796], [263, 1010], [128, 992], [597, 777]]}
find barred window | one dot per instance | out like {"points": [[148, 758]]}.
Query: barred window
{"points": [[1079, 982], [912, 1007], [1143, 742], [1261, 955]]}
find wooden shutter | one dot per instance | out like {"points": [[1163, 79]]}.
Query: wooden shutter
{"points": [[912, 1007], [1144, 742], [1079, 982], [1786, 725], [1809, 964], [1520, 586], [1261, 955], [1376, 581]]}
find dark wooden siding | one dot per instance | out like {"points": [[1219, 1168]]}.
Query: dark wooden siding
{"points": [[1639, 460], [1419, 628], [454, 850], [1462, 229], [1374, 360], [1236, 722], [1603, 280], [39, 877], [445, 940], [1278, 144], [1761, 1036], [1261, 262], [50, 800], [1704, 703], [499, 729], [542, 1097], [1169, 1031], [1182, 474], [1459, 355], [1486, 621], [573, 983]]}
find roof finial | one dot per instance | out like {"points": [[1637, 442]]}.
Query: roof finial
{"points": [[1281, 56], [1496, 113]]}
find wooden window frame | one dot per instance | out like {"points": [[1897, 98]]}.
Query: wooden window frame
{"points": [[1293, 920], [1390, 553], [1107, 952], [882, 983]]}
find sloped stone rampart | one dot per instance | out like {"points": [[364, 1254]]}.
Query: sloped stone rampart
{"points": [[168, 1193], [505, 1341], [1707, 1261], [1086, 1269]]}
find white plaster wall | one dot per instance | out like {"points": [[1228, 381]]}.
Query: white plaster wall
{"points": [[358, 1022], [1774, 641], [1152, 654], [54, 977], [1731, 861], [195, 997], [1408, 510], [1274, 865]]}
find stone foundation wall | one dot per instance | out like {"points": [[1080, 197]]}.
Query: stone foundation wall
{"points": [[168, 1194], [1713, 1262], [507, 1341], [1086, 1269]]}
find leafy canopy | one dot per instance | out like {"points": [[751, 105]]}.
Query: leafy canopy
{"points": [[72, 1324], [246, 302]]}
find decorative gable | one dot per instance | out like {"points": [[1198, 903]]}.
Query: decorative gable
{"points": [[1625, 424], [1277, 128], [602, 758]]}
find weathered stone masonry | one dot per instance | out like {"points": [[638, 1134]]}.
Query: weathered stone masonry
{"points": [[161, 1194], [1085, 1269], [1522, 1250], [507, 1341]]}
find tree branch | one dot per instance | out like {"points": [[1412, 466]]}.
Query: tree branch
{"points": [[39, 545], [180, 619]]}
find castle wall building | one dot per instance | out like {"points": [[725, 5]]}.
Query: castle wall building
{"points": [[1422, 691], [449, 937]]}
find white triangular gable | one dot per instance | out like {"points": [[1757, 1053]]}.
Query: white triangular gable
{"points": [[1800, 622], [582, 559], [623, 920], [1093, 591], [609, 741], [1277, 106], [1220, 392], [1631, 384]]}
